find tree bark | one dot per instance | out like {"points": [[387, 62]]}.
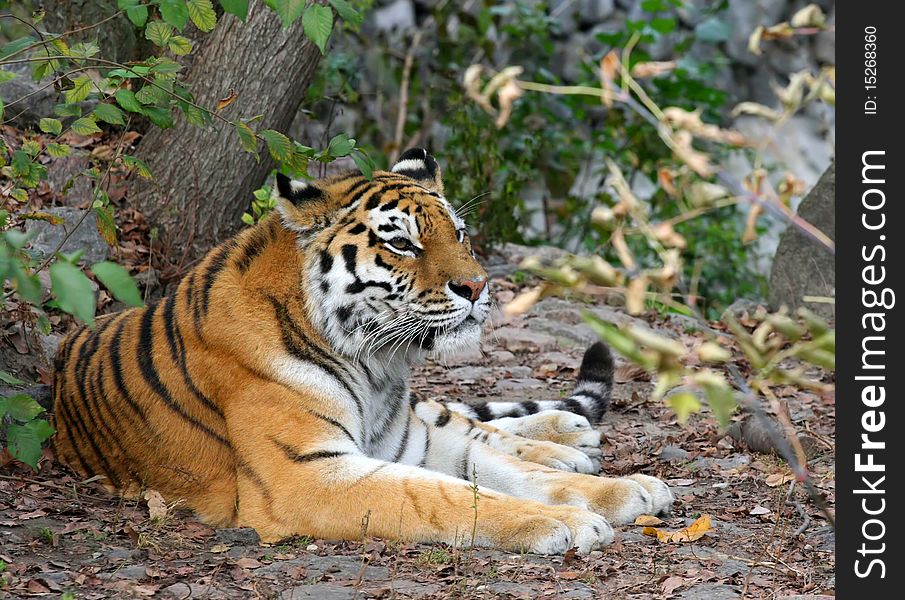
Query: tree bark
{"points": [[118, 39], [203, 180]]}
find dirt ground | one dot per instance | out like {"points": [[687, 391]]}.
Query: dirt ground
{"points": [[64, 538]]}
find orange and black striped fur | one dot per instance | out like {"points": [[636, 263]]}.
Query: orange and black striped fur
{"points": [[270, 389]]}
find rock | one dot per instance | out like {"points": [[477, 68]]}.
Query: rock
{"points": [[743, 17], [595, 11], [671, 453], [710, 591], [801, 266], [32, 103], [398, 15], [560, 359], [240, 536], [825, 43], [502, 357], [49, 344], [470, 374], [520, 340], [519, 383], [131, 572], [62, 171], [84, 236], [740, 308], [320, 591], [516, 253]]}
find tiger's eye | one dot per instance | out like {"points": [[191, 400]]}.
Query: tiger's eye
{"points": [[402, 244]]}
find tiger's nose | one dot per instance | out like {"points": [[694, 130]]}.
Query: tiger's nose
{"points": [[470, 289]]}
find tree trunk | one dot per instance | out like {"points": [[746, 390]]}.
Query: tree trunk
{"points": [[118, 39], [203, 180]]}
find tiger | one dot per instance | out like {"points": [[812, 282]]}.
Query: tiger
{"points": [[270, 389]]}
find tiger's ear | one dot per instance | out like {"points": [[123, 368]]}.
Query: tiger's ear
{"points": [[303, 206], [296, 192], [420, 166]]}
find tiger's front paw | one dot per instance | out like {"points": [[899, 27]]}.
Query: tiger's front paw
{"points": [[556, 456], [620, 500], [662, 497]]}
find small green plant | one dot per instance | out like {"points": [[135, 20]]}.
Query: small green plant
{"points": [[21, 431], [46, 534], [435, 556]]}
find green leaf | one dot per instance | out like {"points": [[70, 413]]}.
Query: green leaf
{"points": [[27, 286], [22, 407], [364, 163], [279, 145], [684, 404], [58, 150], [108, 113], [135, 11], [84, 50], [174, 12], [24, 441], [85, 126], [16, 45], [179, 45], [127, 99], [663, 25], [162, 117], [106, 224], [73, 291], [6, 76], [49, 125], [347, 12], [202, 14], [246, 137], [119, 282], [288, 10], [138, 166], [340, 145], [318, 24], [21, 163], [236, 7], [722, 402], [19, 194], [713, 30], [10, 379], [80, 90], [67, 110], [159, 33]]}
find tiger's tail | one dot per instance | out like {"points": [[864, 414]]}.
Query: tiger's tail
{"points": [[590, 398]]}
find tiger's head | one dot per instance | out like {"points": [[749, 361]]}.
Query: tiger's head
{"points": [[389, 268]]}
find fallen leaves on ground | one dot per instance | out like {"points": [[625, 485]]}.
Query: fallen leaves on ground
{"points": [[693, 532]]}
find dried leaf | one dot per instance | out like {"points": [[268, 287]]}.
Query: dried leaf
{"points": [[157, 507], [751, 223], [759, 510], [648, 520], [754, 40], [653, 68], [609, 66], [671, 584], [777, 479], [248, 563], [758, 110], [224, 102], [809, 16], [523, 302], [507, 97], [693, 532], [219, 548]]}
